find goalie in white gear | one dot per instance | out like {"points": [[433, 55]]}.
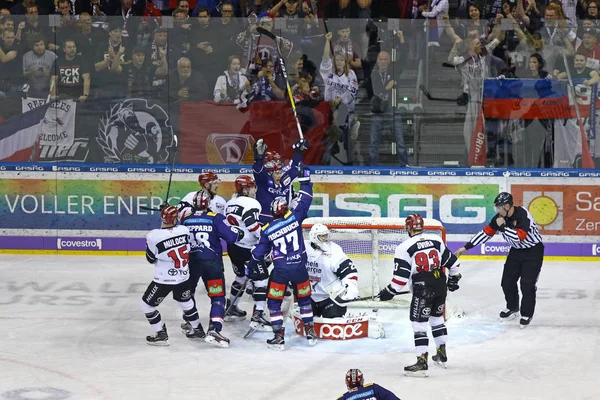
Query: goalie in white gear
{"points": [[333, 276]]}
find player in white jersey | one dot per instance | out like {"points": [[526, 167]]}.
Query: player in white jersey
{"points": [[209, 182], [168, 248], [243, 211], [333, 276], [421, 259]]}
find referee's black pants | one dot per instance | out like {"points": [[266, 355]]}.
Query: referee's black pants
{"points": [[524, 264]]}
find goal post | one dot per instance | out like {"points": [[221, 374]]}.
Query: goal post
{"points": [[370, 243]]}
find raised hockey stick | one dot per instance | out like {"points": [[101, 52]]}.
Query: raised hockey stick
{"points": [[270, 34], [432, 98], [173, 157]]}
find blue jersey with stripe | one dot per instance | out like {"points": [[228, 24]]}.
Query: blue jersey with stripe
{"points": [[283, 236], [206, 230], [370, 391]]}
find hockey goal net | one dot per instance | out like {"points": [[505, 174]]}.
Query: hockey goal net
{"points": [[370, 243]]}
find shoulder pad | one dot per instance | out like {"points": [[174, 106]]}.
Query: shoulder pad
{"points": [[368, 384], [265, 226], [210, 213], [287, 214]]}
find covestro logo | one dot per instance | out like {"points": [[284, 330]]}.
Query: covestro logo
{"points": [[78, 244]]}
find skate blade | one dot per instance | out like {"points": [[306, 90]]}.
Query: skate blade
{"points": [[278, 347], [219, 343], [232, 318], [163, 343], [441, 364], [249, 333], [510, 317], [312, 342], [196, 338], [417, 374], [523, 326], [257, 326]]}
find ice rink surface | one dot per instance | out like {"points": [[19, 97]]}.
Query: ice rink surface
{"points": [[72, 329]]}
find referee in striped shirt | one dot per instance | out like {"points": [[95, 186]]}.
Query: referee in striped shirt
{"points": [[524, 259]]}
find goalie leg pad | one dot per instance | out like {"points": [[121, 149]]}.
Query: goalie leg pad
{"points": [[331, 310]]}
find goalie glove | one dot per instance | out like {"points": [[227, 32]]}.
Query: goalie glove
{"points": [[260, 148], [453, 282], [386, 294], [347, 293]]}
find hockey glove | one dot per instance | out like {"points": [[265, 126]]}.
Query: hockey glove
{"points": [[300, 145], [239, 232], [304, 173], [256, 271], [260, 148], [386, 294], [453, 282]]}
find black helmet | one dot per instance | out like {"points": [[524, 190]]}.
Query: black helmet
{"points": [[503, 198]]}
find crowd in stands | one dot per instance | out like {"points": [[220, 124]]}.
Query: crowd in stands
{"points": [[194, 50]]}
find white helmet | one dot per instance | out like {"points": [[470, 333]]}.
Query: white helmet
{"points": [[319, 236]]}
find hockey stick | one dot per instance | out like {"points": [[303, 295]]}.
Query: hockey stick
{"points": [[270, 34], [173, 157], [431, 98], [341, 302]]}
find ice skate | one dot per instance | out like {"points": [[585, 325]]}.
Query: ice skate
{"points": [[160, 338], [418, 369], [278, 342], [195, 334], [234, 313], [258, 322], [508, 315], [311, 335], [525, 322], [214, 337], [440, 358], [186, 327]]}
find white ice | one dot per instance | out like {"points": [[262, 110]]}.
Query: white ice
{"points": [[72, 329]]}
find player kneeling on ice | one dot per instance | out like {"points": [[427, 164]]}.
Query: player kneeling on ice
{"points": [[421, 259], [206, 260], [168, 249], [209, 183], [357, 389], [283, 238]]}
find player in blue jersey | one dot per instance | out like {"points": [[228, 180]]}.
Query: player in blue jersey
{"points": [[358, 390], [206, 261], [273, 179], [282, 238]]}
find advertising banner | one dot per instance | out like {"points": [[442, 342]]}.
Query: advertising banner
{"points": [[562, 209]]}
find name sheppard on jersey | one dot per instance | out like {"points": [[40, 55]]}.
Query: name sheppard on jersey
{"points": [[284, 230]]}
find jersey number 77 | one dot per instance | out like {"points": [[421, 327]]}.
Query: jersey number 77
{"points": [[281, 243]]}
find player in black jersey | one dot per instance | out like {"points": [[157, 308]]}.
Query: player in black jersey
{"points": [[524, 259]]}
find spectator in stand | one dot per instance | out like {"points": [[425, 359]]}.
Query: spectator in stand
{"points": [[580, 71], [383, 111], [37, 67], [141, 74], [555, 34], [265, 88], [439, 8], [163, 57], [530, 18], [71, 79], [292, 16], [346, 46], [341, 88], [6, 22], [125, 9], [590, 47], [67, 25], [215, 7], [181, 32], [145, 31], [536, 67], [204, 43], [341, 9], [186, 84], [232, 85], [88, 37], [185, 6], [591, 9], [10, 64], [4, 12], [474, 25], [96, 8], [32, 27], [108, 81]]}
